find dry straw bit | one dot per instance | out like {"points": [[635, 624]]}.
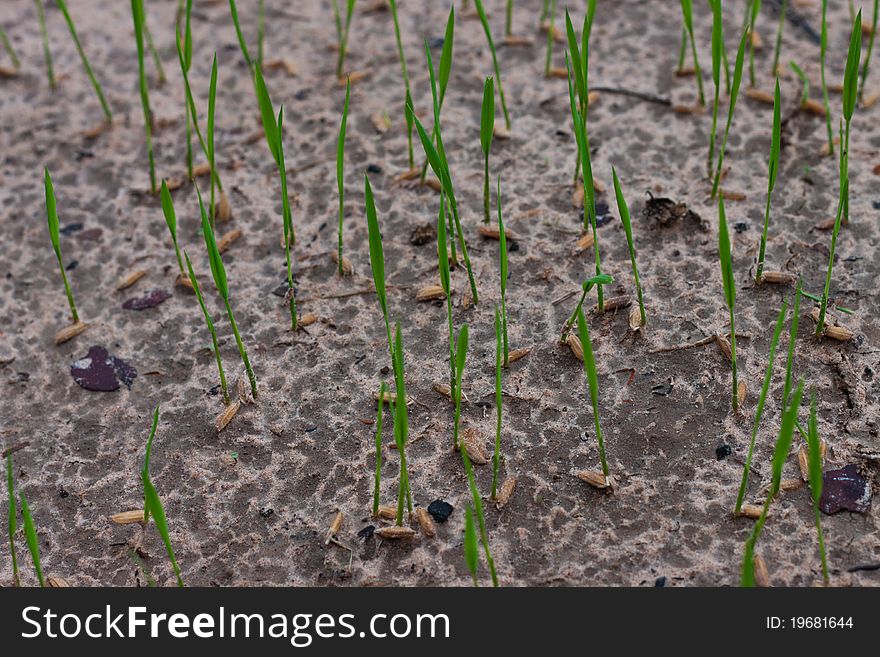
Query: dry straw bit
{"points": [[443, 389], [288, 66], [128, 517], [347, 267], [724, 346], [387, 512], [595, 479], [184, 281], [576, 347], [517, 354], [585, 242], [493, 232], [382, 122], [635, 319], [741, 392], [778, 277], [201, 170], [475, 446], [70, 332], [226, 416], [130, 279], [223, 210], [760, 95], [307, 320], [354, 77]]}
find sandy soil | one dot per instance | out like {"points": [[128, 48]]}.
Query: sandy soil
{"points": [[251, 504]]}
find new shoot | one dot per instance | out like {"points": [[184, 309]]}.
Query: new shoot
{"points": [[601, 279], [405, 74], [401, 427], [30, 535], [593, 385], [485, 22], [487, 127], [342, 29], [12, 518], [62, 5], [734, 92], [772, 171], [496, 458], [209, 322], [52, 215], [623, 210], [814, 467], [137, 12], [726, 258], [377, 480], [688, 16]]}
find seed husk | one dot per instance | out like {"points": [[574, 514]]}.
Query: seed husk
{"points": [[689, 109], [409, 174], [70, 332], [130, 279], [557, 72], [615, 303], [684, 72], [95, 131], [514, 40], [730, 195], [347, 267], [201, 170], [396, 532], [223, 209], [387, 512], [827, 224], [790, 484], [426, 523], [762, 576], [492, 231], [576, 347], [595, 479], [586, 240], [128, 517], [57, 582], [354, 77], [226, 416], [184, 281], [335, 526], [871, 100], [635, 319], [760, 95], [443, 389], [814, 107], [476, 449], [504, 493], [8, 72], [430, 293], [840, 333], [381, 122], [433, 183], [741, 392], [724, 346], [244, 391], [501, 132], [308, 319], [228, 239], [517, 354], [752, 511], [778, 277], [288, 66], [174, 183]]}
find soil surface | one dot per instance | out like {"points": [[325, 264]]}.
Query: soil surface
{"points": [[252, 504]]}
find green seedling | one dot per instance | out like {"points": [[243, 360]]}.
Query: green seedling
{"points": [[496, 458], [792, 344], [682, 51], [772, 171], [401, 426], [52, 215], [508, 19], [471, 557], [153, 504], [593, 385], [768, 375], [460, 358], [823, 50], [186, 64], [405, 74], [870, 50], [601, 279], [157, 61], [62, 5], [12, 519], [778, 48], [342, 30], [445, 283], [780, 453], [487, 126], [7, 46], [734, 92], [212, 153], [579, 56], [443, 73], [218, 272], [502, 256], [47, 53], [261, 31], [171, 222], [726, 258], [551, 30], [378, 476], [377, 260], [687, 13], [814, 467], [623, 209], [274, 138], [485, 22], [805, 81], [752, 16], [30, 535], [717, 52], [460, 355], [340, 169], [818, 299], [137, 12], [211, 329], [242, 44]]}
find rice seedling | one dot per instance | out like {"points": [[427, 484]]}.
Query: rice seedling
{"points": [[752, 16], [687, 13], [734, 92], [593, 385], [498, 401], [274, 138], [12, 520], [342, 30], [508, 19], [759, 412], [209, 322], [485, 22], [792, 343], [153, 504], [7, 46], [52, 215], [171, 222], [503, 265], [137, 12], [47, 53], [726, 258], [623, 210], [551, 30], [805, 81], [850, 91], [261, 31], [487, 127], [772, 171], [778, 48], [401, 426], [601, 279], [405, 74], [579, 63], [583, 143], [717, 51], [62, 5], [211, 154], [218, 272], [682, 52], [378, 476], [471, 558], [460, 359], [445, 283], [377, 260], [780, 453], [157, 61], [443, 72], [340, 169], [823, 50], [869, 51], [233, 11], [30, 535], [814, 467], [186, 64]]}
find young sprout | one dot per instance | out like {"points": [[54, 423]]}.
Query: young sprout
{"points": [[623, 209], [171, 222], [443, 73], [823, 50], [233, 11], [7, 46], [726, 259], [261, 31], [487, 126], [792, 343], [378, 476], [870, 50], [508, 19], [52, 215], [805, 81], [137, 12], [593, 384], [780, 453], [778, 47], [814, 467], [342, 29], [601, 279], [377, 260], [443, 266], [401, 426], [752, 16], [687, 13], [153, 504], [717, 52], [12, 520], [498, 400], [579, 56], [62, 5], [211, 329], [485, 21], [551, 31], [47, 53], [157, 61], [772, 171], [405, 73], [682, 51], [460, 358], [275, 140], [212, 154], [502, 255], [30, 535], [460, 355], [186, 64], [471, 558], [340, 169], [768, 375], [218, 272], [734, 92]]}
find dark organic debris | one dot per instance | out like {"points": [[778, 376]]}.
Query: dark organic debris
{"points": [[660, 582], [865, 566], [100, 372], [374, 169], [69, 229], [73, 265], [367, 532], [845, 489], [666, 211], [662, 389], [266, 512], [150, 300], [423, 234], [440, 510], [740, 226], [722, 451], [91, 235]]}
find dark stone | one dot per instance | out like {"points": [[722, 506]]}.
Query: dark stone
{"points": [[374, 168], [266, 512], [722, 451], [660, 582], [100, 372], [740, 226], [69, 229], [440, 510], [367, 532], [150, 300], [845, 489], [662, 389]]}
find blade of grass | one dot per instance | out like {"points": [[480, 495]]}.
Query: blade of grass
{"points": [[726, 258], [242, 44], [7, 46], [805, 81], [814, 466], [623, 210], [870, 50], [445, 71], [378, 476], [261, 31], [52, 215], [593, 385], [30, 534], [487, 127], [342, 31], [377, 260], [508, 19], [754, 9], [157, 61], [12, 520], [186, 63], [445, 283], [717, 50], [734, 92], [496, 458], [772, 171], [405, 74], [137, 12], [485, 22], [62, 5], [47, 53], [792, 344], [502, 256], [340, 167], [145, 471], [171, 222], [601, 279], [778, 48], [211, 329], [688, 16], [823, 41], [471, 558], [401, 426], [212, 153]]}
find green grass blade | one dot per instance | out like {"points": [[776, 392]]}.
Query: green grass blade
{"points": [[267, 113], [471, 558], [377, 256], [218, 270], [30, 534], [805, 81], [772, 171], [550, 37], [734, 93], [47, 53], [487, 116], [575, 55], [146, 469], [823, 50], [137, 12], [401, 425], [851, 75], [171, 222], [792, 343], [687, 12], [445, 68], [378, 474], [593, 384], [814, 465], [496, 458], [778, 48], [340, 167], [209, 322], [726, 258], [62, 5], [52, 216], [623, 210], [485, 22], [154, 504], [233, 10], [502, 255], [11, 517], [405, 74], [7, 46]]}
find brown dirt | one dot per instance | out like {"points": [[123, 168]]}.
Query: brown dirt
{"points": [[303, 451]]}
